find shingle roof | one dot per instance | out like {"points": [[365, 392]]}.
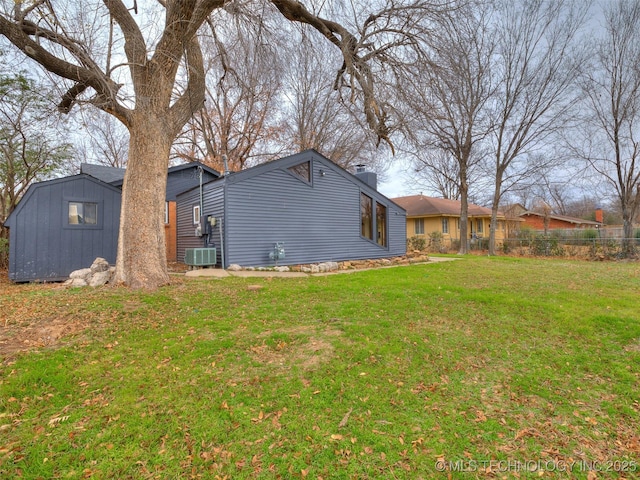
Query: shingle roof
{"points": [[421, 206], [563, 218], [102, 172]]}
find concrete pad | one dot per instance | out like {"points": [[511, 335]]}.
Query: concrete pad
{"points": [[207, 272]]}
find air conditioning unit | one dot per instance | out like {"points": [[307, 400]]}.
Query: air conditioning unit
{"points": [[200, 257]]}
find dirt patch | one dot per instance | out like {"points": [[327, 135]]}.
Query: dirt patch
{"points": [[39, 333], [304, 347]]}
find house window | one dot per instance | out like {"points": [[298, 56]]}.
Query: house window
{"points": [[418, 226], [196, 214], [166, 213], [381, 225], [445, 225], [366, 216], [83, 213], [302, 171], [479, 225]]}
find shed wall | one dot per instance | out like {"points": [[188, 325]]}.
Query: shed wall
{"points": [[43, 247]]}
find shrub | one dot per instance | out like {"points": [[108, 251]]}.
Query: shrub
{"points": [[4, 253], [436, 242], [416, 243]]}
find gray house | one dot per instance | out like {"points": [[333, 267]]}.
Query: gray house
{"points": [[62, 225], [295, 210]]}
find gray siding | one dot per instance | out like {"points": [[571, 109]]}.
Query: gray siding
{"points": [[318, 222], [43, 247], [213, 204], [185, 179]]}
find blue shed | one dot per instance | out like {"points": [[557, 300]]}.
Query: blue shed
{"points": [[62, 225], [312, 207]]}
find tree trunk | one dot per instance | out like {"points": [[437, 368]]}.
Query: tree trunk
{"points": [[493, 227], [464, 207], [142, 261], [628, 241], [464, 220]]}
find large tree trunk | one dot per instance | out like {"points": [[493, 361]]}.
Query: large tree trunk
{"points": [[142, 261]]}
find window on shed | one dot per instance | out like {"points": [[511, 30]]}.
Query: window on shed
{"points": [[83, 213], [480, 225], [302, 171], [366, 216], [381, 224], [445, 225], [418, 226]]}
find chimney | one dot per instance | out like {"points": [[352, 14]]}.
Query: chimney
{"points": [[599, 215], [369, 178]]}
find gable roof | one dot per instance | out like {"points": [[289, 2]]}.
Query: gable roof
{"points": [[105, 173], [115, 176], [561, 218], [291, 160], [35, 186], [421, 206]]}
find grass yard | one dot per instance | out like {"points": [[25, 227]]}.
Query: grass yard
{"points": [[477, 368]]}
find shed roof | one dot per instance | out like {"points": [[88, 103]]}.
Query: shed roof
{"points": [[422, 206], [35, 186]]}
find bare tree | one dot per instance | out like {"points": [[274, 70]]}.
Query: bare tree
{"points": [[315, 114], [30, 145], [105, 141], [128, 62], [536, 67], [437, 171], [241, 117], [611, 83], [449, 95]]}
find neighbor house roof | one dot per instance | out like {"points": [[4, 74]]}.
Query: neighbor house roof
{"points": [[562, 218], [421, 206]]}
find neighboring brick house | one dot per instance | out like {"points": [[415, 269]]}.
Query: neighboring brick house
{"points": [[536, 221]]}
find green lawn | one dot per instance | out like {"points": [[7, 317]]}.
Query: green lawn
{"points": [[506, 368]]}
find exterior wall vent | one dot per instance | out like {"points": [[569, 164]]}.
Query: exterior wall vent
{"points": [[200, 257]]}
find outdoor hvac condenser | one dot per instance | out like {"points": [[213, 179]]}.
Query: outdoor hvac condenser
{"points": [[200, 257]]}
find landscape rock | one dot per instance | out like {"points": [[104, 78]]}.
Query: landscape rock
{"points": [[99, 274], [99, 279], [83, 273], [281, 269], [99, 265], [234, 267]]}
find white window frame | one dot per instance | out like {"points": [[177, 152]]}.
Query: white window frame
{"points": [[196, 214]]}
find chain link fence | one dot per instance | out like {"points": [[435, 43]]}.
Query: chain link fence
{"points": [[585, 244]]}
